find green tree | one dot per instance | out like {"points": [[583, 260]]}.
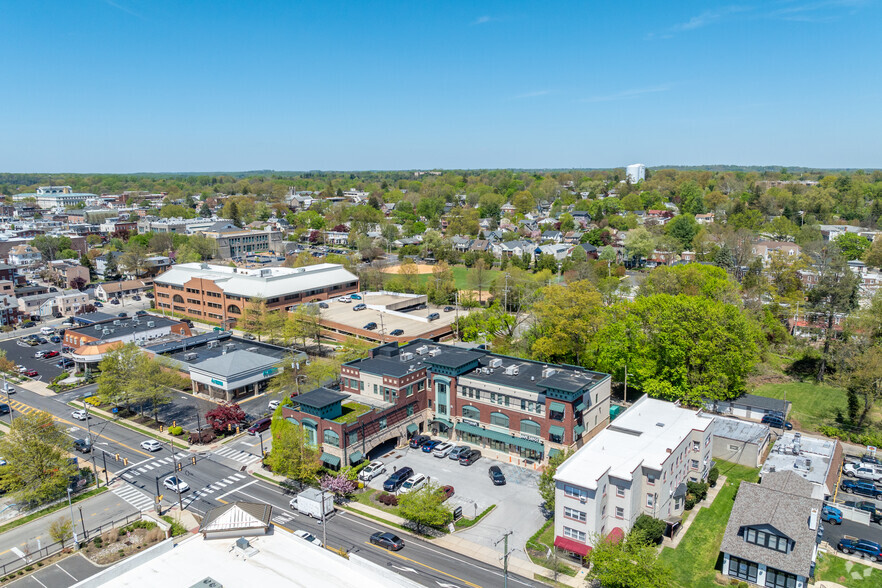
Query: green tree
{"points": [[134, 260], [693, 280], [781, 228], [49, 246], [425, 507], [639, 243], [873, 255], [652, 529], [119, 369], [60, 530], [683, 228], [252, 319], [565, 319], [567, 223], [852, 246], [630, 563], [691, 198], [292, 454], [546, 479], [36, 453], [835, 293]]}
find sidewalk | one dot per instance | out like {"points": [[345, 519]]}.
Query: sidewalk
{"points": [[36, 387], [711, 496]]}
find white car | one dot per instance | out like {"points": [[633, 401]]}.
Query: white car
{"points": [[21, 369], [40, 354], [371, 471], [413, 483], [47, 330], [7, 389], [151, 445], [865, 471], [308, 536], [443, 450], [175, 484], [80, 415], [273, 404], [344, 299]]}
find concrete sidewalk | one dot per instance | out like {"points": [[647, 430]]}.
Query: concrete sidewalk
{"points": [[709, 500]]}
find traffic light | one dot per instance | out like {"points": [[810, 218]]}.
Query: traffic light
{"points": [[116, 456], [193, 460], [125, 461], [180, 466], [159, 498], [160, 428]]}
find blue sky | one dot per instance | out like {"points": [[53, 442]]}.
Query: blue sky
{"points": [[151, 85]]}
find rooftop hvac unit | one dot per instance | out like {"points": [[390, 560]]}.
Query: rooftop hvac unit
{"points": [[151, 323], [105, 332], [495, 362], [512, 370], [406, 356], [116, 322], [98, 327], [251, 349], [548, 372], [434, 352], [191, 356], [422, 350]]}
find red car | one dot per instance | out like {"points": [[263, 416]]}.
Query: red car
{"points": [[50, 354], [31, 373], [446, 492]]}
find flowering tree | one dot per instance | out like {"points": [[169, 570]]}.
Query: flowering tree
{"points": [[339, 485], [225, 416]]}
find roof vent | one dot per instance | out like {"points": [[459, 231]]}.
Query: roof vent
{"points": [[151, 323], [659, 424], [208, 582]]}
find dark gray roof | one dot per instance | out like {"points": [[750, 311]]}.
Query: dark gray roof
{"points": [[453, 358], [319, 398], [127, 326], [762, 402], [235, 362], [736, 430], [388, 366], [784, 505]]}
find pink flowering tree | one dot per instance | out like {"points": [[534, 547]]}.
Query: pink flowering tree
{"points": [[339, 485]]}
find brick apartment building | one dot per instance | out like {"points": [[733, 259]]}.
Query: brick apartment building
{"points": [[506, 406], [219, 294]]}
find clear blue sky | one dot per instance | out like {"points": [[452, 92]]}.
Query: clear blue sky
{"points": [[153, 85]]}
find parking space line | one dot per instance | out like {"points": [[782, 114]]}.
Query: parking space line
{"points": [[58, 565]]}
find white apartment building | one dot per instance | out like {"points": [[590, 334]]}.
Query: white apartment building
{"points": [[55, 196], [638, 465], [635, 172]]}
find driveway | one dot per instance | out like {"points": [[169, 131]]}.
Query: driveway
{"points": [[517, 503]]}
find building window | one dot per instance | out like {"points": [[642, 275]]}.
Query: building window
{"points": [[778, 579], [733, 447], [178, 298], [572, 513], [410, 410], [353, 437], [650, 500], [498, 419], [574, 534], [382, 423], [694, 464], [574, 492], [471, 412], [769, 540], [650, 478], [332, 438], [620, 492], [620, 512], [742, 569], [531, 427], [233, 309], [696, 446]]}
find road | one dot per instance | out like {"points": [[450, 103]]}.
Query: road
{"points": [[218, 477]]}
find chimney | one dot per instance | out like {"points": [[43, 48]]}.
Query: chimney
{"points": [[813, 520]]}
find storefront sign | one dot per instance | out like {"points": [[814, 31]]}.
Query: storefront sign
{"points": [[217, 382], [471, 422], [530, 437]]}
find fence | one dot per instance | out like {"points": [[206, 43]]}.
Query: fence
{"points": [[32, 557]]}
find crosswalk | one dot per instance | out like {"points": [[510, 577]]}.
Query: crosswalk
{"points": [[160, 465], [21, 408], [237, 455], [134, 497], [209, 489]]}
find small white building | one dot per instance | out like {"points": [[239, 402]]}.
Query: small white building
{"points": [[636, 172], [24, 256]]}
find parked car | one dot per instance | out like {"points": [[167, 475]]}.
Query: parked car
{"points": [[57, 315], [259, 426], [862, 547], [831, 515], [80, 415], [457, 451], [355, 296], [776, 422], [123, 315], [413, 483], [140, 313], [175, 484], [151, 445], [4, 409], [864, 471], [418, 440], [323, 305], [449, 309], [249, 336], [429, 446], [496, 476], [396, 332], [396, 479], [148, 295], [446, 491], [31, 373], [47, 330], [469, 457], [442, 450], [867, 506], [387, 541], [434, 316], [861, 487], [21, 369], [136, 297], [49, 354], [361, 306], [65, 362], [28, 324], [371, 471], [370, 326], [40, 354], [55, 339], [344, 299], [82, 445], [867, 458], [308, 536], [114, 301], [273, 404], [42, 341], [97, 304]]}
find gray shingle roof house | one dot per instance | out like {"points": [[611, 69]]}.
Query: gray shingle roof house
{"points": [[772, 535]]}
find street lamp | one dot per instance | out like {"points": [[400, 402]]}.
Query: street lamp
{"points": [[260, 436], [91, 446], [73, 524]]}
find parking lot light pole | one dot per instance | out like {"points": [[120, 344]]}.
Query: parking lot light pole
{"points": [[177, 475], [91, 445], [260, 436], [73, 524]]}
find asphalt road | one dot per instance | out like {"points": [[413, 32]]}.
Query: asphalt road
{"points": [[833, 533]]}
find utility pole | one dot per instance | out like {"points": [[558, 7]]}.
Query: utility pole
{"points": [[626, 383], [91, 446], [505, 555], [324, 530], [505, 293]]}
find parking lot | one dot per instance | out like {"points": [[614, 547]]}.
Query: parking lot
{"points": [[871, 532], [20, 353], [517, 502]]}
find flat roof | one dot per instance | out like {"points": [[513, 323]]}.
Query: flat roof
{"points": [[192, 351], [809, 457], [319, 398], [341, 313], [641, 436], [736, 430], [128, 325], [275, 559]]}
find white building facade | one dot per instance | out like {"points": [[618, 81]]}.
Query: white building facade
{"points": [[635, 172]]}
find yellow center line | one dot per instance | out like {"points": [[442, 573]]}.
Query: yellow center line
{"points": [[422, 564], [221, 500]]}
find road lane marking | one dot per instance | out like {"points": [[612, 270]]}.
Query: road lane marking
{"points": [[421, 564], [236, 490]]}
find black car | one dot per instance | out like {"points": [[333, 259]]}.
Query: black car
{"points": [[42, 340], [470, 457], [97, 304], [417, 441], [4, 409], [136, 297], [114, 301], [370, 326], [449, 309], [57, 315], [868, 506], [497, 476], [394, 482], [323, 305], [140, 313], [55, 339], [148, 295], [387, 541], [434, 316], [28, 324], [82, 446], [64, 363], [396, 332], [776, 422]]}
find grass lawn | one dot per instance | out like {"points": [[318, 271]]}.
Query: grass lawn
{"points": [[461, 277], [842, 571], [351, 411], [695, 558], [813, 404]]}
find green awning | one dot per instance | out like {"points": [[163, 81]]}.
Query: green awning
{"points": [[500, 436], [578, 430], [412, 428], [308, 422], [355, 457], [580, 407], [292, 420], [442, 421], [331, 460], [552, 452], [555, 430], [557, 407]]}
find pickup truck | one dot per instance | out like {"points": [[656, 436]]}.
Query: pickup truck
{"points": [[864, 471], [862, 547], [831, 515], [868, 506], [861, 487]]}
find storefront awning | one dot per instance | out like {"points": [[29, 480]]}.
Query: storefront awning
{"points": [[331, 460], [578, 430], [557, 407], [580, 407], [308, 422], [571, 545], [553, 451], [442, 421], [412, 428], [555, 430], [355, 457], [500, 436]]}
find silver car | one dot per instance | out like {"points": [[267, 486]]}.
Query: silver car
{"points": [[457, 451], [371, 471]]}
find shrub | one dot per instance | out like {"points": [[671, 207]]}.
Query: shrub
{"points": [[690, 502], [698, 490], [98, 542], [29, 569], [176, 431], [652, 529], [712, 476]]}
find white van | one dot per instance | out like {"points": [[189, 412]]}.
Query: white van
{"points": [[47, 330]]}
